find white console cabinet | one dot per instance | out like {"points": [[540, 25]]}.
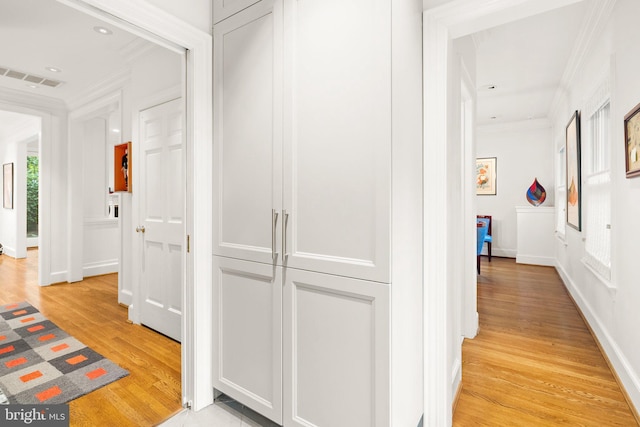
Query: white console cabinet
{"points": [[535, 242]]}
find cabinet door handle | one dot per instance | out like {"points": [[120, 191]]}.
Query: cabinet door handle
{"points": [[285, 219], [274, 220]]}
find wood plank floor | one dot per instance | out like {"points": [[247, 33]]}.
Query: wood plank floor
{"points": [[534, 361], [89, 311]]}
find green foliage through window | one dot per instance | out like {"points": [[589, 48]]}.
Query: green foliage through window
{"points": [[32, 196]]}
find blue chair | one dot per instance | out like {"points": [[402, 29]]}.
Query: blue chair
{"points": [[482, 227], [488, 239]]}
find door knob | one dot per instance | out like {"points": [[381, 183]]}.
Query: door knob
{"points": [[140, 229]]}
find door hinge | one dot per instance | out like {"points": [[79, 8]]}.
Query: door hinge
{"points": [[188, 243]]}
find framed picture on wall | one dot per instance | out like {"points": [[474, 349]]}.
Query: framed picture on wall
{"points": [[632, 142], [122, 167], [486, 176], [7, 185], [574, 187]]}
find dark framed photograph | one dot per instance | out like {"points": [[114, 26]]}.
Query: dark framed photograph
{"points": [[632, 142], [7, 185], [574, 186]]}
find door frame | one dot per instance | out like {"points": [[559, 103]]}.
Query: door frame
{"points": [[161, 27], [441, 25], [51, 116]]}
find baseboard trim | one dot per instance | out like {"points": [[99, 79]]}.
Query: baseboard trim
{"points": [[57, 277], [624, 375], [536, 260], [456, 398], [11, 252], [100, 268], [500, 252]]}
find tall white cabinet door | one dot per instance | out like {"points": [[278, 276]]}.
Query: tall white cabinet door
{"points": [[247, 306], [336, 351], [162, 194], [222, 9], [248, 133], [337, 133]]}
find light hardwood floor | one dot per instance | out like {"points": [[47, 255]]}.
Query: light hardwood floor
{"points": [[534, 361], [89, 311]]}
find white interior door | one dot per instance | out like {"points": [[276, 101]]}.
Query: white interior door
{"points": [[162, 195]]}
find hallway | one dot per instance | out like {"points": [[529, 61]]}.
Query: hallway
{"points": [[534, 361], [89, 311]]}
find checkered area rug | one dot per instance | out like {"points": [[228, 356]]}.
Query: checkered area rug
{"points": [[42, 364]]}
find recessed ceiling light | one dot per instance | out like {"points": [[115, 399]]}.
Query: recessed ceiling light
{"points": [[32, 86], [53, 69], [115, 130], [103, 30]]}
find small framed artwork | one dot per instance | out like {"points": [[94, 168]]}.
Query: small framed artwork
{"points": [[7, 185], [632, 142], [574, 187], [122, 167], [486, 176]]}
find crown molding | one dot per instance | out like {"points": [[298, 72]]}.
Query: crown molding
{"points": [[136, 49], [30, 101], [515, 126], [593, 25], [100, 90], [464, 17]]}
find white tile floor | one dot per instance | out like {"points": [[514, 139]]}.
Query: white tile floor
{"points": [[224, 413]]}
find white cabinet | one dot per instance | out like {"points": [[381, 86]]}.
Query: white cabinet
{"points": [[248, 334], [248, 132], [326, 196], [337, 136], [336, 351], [306, 162], [535, 238]]}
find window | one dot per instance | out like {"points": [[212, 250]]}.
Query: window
{"points": [[597, 189], [32, 196]]}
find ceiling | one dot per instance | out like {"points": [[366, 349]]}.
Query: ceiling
{"points": [[523, 60], [38, 34]]}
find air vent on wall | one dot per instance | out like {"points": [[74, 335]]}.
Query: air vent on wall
{"points": [[30, 78]]}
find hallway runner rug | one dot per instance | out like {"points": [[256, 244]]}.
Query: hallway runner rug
{"points": [[42, 364]]}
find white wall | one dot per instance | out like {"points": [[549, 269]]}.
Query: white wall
{"points": [[524, 151], [101, 239], [9, 217], [611, 311]]}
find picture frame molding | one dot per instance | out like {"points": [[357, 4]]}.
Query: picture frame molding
{"points": [[629, 118]]}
